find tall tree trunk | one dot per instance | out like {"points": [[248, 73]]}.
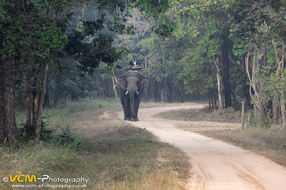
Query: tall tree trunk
{"points": [[47, 97], [8, 127], [182, 94], [219, 84], [282, 105], [246, 95], [214, 100], [210, 97], [104, 86], [260, 110], [57, 86], [2, 110], [152, 90], [162, 94], [246, 86], [39, 98], [146, 61], [280, 65], [114, 82], [226, 79], [28, 95], [168, 92], [163, 91], [173, 93], [275, 109]]}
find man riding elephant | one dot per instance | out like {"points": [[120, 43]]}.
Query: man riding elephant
{"points": [[133, 62], [132, 85]]}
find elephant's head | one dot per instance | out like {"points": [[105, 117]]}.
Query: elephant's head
{"points": [[132, 87], [133, 83]]}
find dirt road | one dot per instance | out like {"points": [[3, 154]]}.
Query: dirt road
{"points": [[216, 165]]}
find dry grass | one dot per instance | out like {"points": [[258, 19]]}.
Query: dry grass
{"points": [[205, 114], [270, 143], [150, 182], [111, 154]]}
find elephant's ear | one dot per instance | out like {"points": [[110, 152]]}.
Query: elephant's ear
{"points": [[143, 84], [121, 82]]}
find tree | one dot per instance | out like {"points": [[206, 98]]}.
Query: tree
{"points": [[258, 25], [33, 33]]}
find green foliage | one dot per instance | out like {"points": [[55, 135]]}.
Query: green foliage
{"points": [[80, 33], [211, 41], [163, 68], [28, 131], [9, 36], [265, 122], [50, 38], [164, 29], [66, 137], [272, 83], [198, 73], [251, 119]]}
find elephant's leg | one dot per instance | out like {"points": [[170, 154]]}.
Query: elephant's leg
{"points": [[124, 103], [136, 109], [133, 103], [127, 111]]}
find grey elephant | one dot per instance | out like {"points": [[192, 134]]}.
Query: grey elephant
{"points": [[132, 85]]}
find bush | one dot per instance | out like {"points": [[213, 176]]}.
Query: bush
{"points": [[28, 131], [67, 138]]}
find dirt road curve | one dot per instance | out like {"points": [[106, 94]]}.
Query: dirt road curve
{"points": [[216, 165]]}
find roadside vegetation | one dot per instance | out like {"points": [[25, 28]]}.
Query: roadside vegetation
{"points": [[267, 141], [112, 154], [205, 114]]}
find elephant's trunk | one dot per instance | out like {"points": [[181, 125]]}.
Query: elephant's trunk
{"points": [[132, 103]]}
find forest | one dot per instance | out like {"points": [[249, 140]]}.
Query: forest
{"points": [[226, 51], [223, 52]]}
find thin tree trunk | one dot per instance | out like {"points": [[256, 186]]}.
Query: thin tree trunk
{"points": [[282, 97], [210, 104], [212, 99], [28, 96], [275, 110], [280, 65], [57, 86], [114, 82], [39, 98], [259, 106], [225, 73], [182, 95], [162, 94], [152, 90], [47, 96], [2, 110], [163, 91], [242, 114], [104, 85], [219, 85], [8, 127], [146, 60], [173, 94], [169, 92], [220, 92], [282, 107]]}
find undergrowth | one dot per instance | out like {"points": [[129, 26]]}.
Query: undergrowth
{"points": [[111, 154]]}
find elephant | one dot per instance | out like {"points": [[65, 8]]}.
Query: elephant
{"points": [[131, 85]]}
